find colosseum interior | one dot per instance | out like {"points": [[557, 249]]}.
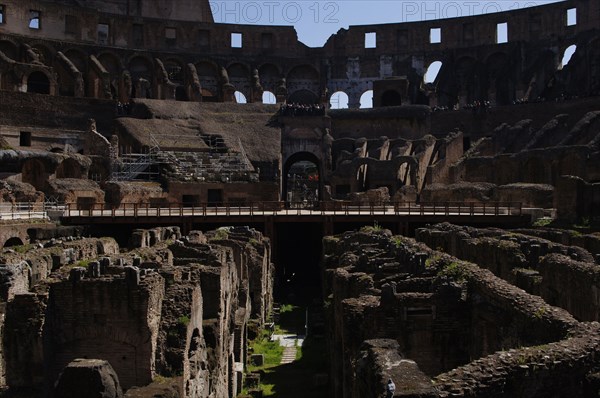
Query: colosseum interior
{"points": [[192, 208]]}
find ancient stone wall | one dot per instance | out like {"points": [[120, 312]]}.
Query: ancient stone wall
{"points": [[116, 320], [468, 49], [563, 276], [174, 306], [443, 313], [563, 368]]}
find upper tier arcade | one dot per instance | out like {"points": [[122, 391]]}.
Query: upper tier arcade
{"points": [[173, 50]]}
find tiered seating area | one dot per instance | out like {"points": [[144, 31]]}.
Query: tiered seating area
{"points": [[210, 166]]}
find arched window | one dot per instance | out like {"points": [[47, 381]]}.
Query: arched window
{"points": [[339, 100], [38, 83], [366, 100], [13, 242], [269, 98], [240, 98], [432, 72], [301, 180], [567, 56]]}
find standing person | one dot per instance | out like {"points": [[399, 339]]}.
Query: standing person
{"points": [[390, 389]]}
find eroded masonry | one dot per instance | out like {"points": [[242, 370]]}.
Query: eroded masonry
{"points": [[165, 179]]}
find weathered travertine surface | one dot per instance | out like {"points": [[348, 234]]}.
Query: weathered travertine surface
{"points": [[472, 332], [565, 276], [174, 307]]}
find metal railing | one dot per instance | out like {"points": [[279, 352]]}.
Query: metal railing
{"points": [[496, 209], [29, 211]]}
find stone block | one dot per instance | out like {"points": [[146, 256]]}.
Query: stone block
{"points": [[257, 359], [76, 274], [92, 378]]}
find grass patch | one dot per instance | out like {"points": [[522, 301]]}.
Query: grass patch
{"points": [[221, 234], [271, 350], [370, 229], [184, 320], [454, 271], [543, 222], [398, 241]]}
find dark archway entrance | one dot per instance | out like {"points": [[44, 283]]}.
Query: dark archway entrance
{"points": [[304, 97], [391, 98], [14, 241], [302, 180], [180, 94], [38, 83]]}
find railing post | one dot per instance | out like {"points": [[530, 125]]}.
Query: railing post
{"points": [[496, 209], [472, 208]]}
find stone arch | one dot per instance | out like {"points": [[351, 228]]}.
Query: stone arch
{"points": [[121, 355], [208, 73], [407, 169], [539, 72], [69, 168], [44, 52], [270, 75], [466, 79], [141, 67], [303, 78], [34, 172], [175, 69], [498, 83], [269, 97], [433, 71], [13, 241], [299, 157], [111, 62], [78, 58], [114, 67], [339, 100], [239, 77], [38, 82], [10, 49], [142, 76], [303, 97], [366, 99], [240, 98], [567, 55]]}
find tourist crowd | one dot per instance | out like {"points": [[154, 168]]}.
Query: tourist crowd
{"points": [[301, 109]]}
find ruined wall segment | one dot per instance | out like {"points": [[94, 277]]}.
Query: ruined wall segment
{"points": [[172, 306], [565, 276], [395, 288]]}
